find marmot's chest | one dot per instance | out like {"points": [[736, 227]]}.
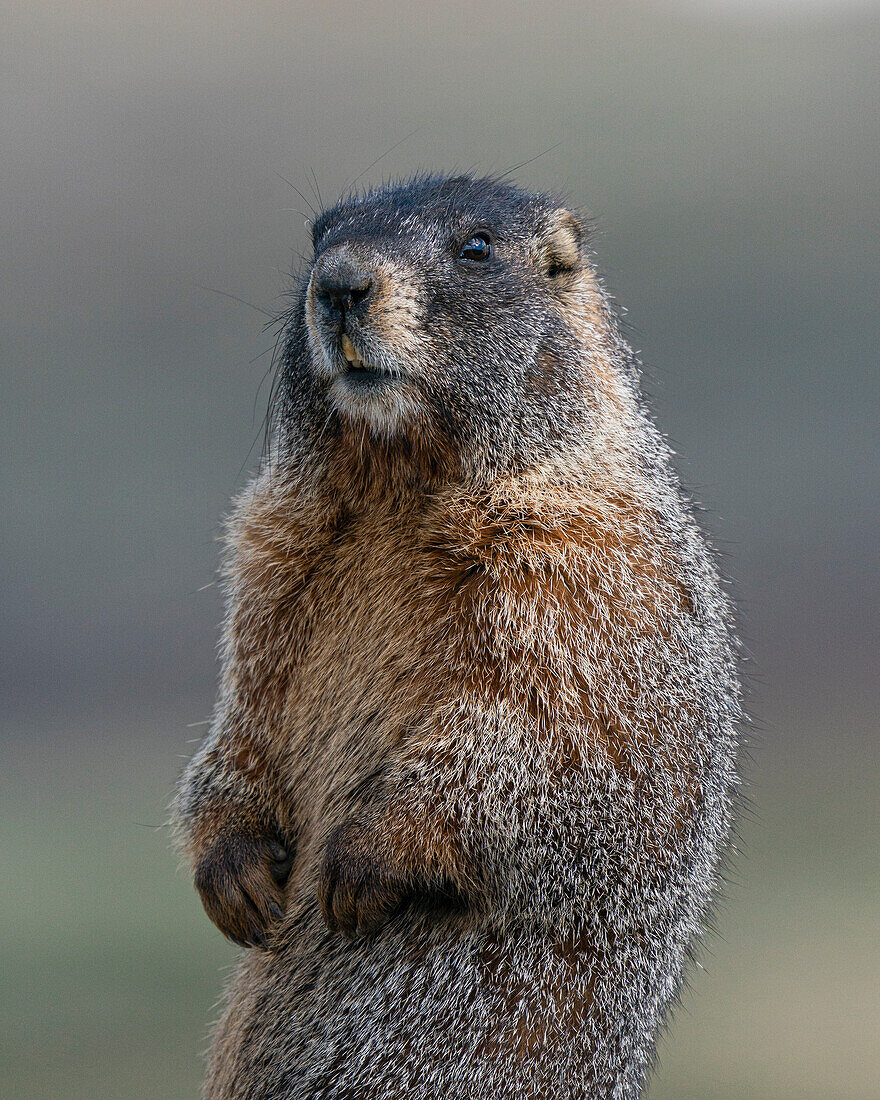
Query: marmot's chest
{"points": [[369, 633], [391, 616]]}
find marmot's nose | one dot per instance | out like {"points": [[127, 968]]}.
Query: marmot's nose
{"points": [[340, 287]]}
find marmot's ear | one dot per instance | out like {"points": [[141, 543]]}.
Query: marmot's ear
{"points": [[559, 245]]}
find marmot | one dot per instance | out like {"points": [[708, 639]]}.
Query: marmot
{"points": [[472, 766]]}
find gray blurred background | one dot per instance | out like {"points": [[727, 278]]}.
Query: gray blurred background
{"points": [[730, 155]]}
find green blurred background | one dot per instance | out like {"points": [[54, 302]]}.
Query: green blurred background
{"points": [[729, 152]]}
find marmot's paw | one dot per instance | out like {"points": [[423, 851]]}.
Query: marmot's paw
{"points": [[240, 880], [358, 890]]}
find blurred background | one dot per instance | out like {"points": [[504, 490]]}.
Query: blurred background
{"points": [[729, 153]]}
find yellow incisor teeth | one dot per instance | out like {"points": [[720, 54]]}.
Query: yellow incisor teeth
{"points": [[348, 350]]}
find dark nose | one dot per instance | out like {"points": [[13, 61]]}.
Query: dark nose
{"points": [[340, 288]]}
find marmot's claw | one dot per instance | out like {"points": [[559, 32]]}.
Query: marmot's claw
{"points": [[279, 869], [357, 890], [240, 880]]}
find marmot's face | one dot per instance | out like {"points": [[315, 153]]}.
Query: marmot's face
{"points": [[449, 302]]}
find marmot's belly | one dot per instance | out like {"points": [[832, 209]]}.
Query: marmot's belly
{"points": [[358, 691], [422, 1012]]}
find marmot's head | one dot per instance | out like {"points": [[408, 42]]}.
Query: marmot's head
{"points": [[453, 314]]}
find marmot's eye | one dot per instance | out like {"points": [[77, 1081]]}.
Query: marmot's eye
{"points": [[479, 247]]}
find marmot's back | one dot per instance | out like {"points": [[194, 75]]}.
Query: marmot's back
{"points": [[472, 765]]}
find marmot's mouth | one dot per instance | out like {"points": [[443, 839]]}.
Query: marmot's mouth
{"points": [[356, 368], [363, 374]]}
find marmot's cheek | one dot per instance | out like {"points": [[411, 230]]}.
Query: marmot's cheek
{"points": [[395, 314]]}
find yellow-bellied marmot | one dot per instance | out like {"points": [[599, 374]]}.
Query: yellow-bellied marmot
{"points": [[472, 764]]}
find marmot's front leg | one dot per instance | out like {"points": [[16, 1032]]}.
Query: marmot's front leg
{"points": [[240, 857], [405, 850]]}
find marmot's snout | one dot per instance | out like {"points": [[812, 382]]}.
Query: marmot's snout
{"points": [[364, 336], [346, 294], [365, 340]]}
